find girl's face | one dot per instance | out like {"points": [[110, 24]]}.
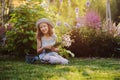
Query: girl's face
{"points": [[44, 28]]}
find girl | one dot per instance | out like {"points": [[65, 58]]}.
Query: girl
{"points": [[45, 41]]}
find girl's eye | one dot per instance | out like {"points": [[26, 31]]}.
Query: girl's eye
{"points": [[45, 26]]}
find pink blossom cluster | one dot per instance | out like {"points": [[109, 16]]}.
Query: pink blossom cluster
{"points": [[92, 19]]}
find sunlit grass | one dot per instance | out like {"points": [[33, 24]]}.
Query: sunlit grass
{"points": [[77, 69]]}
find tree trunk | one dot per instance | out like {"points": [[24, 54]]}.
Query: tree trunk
{"points": [[108, 15], [2, 11]]}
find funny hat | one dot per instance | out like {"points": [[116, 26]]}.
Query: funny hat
{"points": [[44, 20]]}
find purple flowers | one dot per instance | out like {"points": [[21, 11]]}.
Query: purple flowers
{"points": [[77, 10], [78, 25], [88, 3], [58, 23], [66, 24]]}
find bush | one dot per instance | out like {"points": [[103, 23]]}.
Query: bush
{"points": [[21, 40], [90, 42]]}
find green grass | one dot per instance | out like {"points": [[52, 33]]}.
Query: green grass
{"points": [[77, 69]]}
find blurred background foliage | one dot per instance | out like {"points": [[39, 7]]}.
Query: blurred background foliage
{"points": [[89, 41]]}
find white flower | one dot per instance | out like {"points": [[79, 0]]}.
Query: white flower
{"points": [[66, 40]]}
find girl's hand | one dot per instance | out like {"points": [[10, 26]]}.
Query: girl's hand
{"points": [[55, 49], [48, 47]]}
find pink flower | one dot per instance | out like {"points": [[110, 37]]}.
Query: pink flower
{"points": [[92, 19]]}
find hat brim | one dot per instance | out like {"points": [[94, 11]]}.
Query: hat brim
{"points": [[44, 20]]}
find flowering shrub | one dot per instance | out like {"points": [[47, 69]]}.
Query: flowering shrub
{"points": [[89, 42], [92, 19], [115, 29]]}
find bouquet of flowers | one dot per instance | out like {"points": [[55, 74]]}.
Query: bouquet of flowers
{"points": [[66, 40]]}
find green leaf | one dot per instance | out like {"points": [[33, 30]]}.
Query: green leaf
{"points": [[31, 38], [27, 32], [26, 51], [72, 54], [34, 46], [25, 40]]}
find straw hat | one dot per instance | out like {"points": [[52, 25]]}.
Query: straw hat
{"points": [[44, 20]]}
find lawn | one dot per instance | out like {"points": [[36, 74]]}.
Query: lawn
{"points": [[77, 69]]}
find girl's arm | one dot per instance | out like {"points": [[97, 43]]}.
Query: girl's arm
{"points": [[55, 47], [39, 48]]}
